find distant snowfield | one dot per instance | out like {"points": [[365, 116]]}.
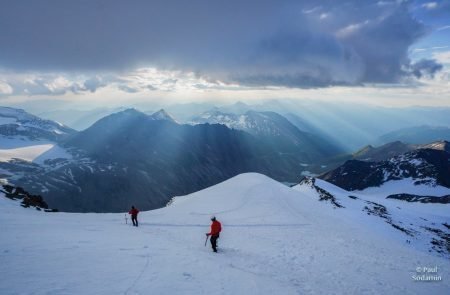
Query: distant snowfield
{"points": [[275, 240], [30, 151], [405, 186]]}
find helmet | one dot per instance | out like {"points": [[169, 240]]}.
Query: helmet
{"points": [[213, 218]]}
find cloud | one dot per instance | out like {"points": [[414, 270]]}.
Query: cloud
{"points": [[436, 11], [425, 67], [5, 88], [152, 79], [311, 10], [41, 84], [443, 28], [134, 81], [442, 57], [351, 29], [47, 84], [430, 5], [384, 3], [94, 83], [324, 15], [253, 43], [128, 89]]}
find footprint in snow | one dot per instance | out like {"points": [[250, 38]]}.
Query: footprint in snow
{"points": [[187, 276]]}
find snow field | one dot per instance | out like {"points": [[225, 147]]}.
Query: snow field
{"points": [[275, 240], [36, 151]]}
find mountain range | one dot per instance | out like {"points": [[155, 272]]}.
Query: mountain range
{"points": [[276, 131], [348, 125], [417, 134], [396, 148], [18, 123], [133, 158], [428, 166]]}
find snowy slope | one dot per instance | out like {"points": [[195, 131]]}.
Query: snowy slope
{"points": [[276, 240], [17, 122], [31, 146], [257, 123], [406, 186], [424, 225], [29, 138], [36, 151]]}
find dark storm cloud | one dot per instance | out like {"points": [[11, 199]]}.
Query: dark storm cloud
{"points": [[425, 67], [285, 43], [92, 84]]}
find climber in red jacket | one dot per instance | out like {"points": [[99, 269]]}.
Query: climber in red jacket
{"points": [[216, 228], [134, 213]]}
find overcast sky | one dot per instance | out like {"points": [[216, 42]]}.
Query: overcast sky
{"points": [[124, 52]]}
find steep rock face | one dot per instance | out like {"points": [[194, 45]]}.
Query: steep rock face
{"points": [[427, 166]]}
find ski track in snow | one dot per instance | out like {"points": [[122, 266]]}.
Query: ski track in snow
{"points": [[276, 240], [147, 260]]}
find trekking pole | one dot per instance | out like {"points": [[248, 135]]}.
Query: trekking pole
{"points": [[126, 219], [206, 241]]}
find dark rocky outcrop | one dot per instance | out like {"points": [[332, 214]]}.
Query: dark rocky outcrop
{"points": [[421, 199], [28, 200], [423, 165], [323, 194]]}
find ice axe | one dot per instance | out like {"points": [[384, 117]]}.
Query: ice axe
{"points": [[206, 241]]}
